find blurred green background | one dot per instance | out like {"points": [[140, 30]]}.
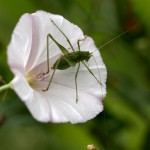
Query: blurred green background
{"points": [[125, 122]]}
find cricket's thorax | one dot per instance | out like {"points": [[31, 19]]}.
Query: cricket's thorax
{"points": [[71, 59]]}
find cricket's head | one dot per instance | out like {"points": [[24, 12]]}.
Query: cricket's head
{"points": [[88, 56]]}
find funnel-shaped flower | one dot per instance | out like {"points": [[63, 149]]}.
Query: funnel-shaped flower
{"points": [[27, 57]]}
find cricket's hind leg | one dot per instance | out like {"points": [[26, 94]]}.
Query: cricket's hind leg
{"points": [[71, 46]]}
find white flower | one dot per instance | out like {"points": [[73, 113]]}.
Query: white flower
{"points": [[27, 57]]}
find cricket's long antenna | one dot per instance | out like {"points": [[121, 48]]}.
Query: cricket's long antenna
{"points": [[115, 38]]}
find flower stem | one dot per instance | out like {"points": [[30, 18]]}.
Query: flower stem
{"points": [[5, 87]]}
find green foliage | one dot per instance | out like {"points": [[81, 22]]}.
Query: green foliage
{"points": [[125, 122]]}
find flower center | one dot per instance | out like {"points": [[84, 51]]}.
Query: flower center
{"points": [[36, 77], [37, 81]]}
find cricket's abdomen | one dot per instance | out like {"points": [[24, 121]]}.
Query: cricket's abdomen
{"points": [[71, 59]]}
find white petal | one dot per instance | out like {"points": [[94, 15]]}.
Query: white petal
{"points": [[59, 105], [20, 45]]}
